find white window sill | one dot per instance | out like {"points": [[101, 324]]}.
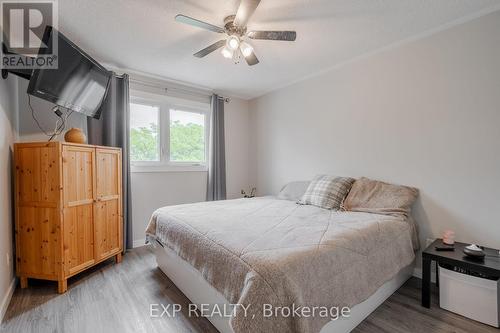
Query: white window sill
{"points": [[167, 168]]}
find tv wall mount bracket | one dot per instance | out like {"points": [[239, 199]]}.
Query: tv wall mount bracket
{"points": [[24, 73]]}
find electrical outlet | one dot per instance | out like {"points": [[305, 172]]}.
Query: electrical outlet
{"points": [[429, 241]]}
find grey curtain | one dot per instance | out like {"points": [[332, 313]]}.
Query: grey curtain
{"points": [[112, 129], [216, 180]]}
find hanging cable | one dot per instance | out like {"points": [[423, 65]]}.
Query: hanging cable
{"points": [[60, 123]]}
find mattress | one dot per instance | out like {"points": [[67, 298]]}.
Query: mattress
{"points": [[263, 251]]}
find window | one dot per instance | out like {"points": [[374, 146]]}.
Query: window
{"points": [[187, 136], [167, 134], [144, 138]]}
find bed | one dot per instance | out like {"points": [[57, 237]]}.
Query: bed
{"points": [[269, 253]]}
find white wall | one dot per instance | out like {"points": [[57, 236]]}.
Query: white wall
{"points": [[425, 114], [153, 190], [8, 125], [28, 130], [237, 135]]}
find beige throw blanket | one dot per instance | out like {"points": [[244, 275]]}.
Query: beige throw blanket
{"points": [[268, 251]]}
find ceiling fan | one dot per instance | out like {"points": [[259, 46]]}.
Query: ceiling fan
{"points": [[236, 44]]}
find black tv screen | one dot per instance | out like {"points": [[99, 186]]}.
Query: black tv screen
{"points": [[79, 83]]}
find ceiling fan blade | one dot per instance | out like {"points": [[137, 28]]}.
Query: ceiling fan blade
{"points": [[252, 59], [197, 23], [273, 35], [210, 49], [245, 11]]}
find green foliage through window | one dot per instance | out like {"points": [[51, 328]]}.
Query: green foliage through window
{"points": [[144, 143], [187, 142]]}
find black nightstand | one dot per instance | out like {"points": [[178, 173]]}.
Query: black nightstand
{"points": [[490, 265]]}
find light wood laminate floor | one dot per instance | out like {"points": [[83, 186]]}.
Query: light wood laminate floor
{"points": [[117, 298]]}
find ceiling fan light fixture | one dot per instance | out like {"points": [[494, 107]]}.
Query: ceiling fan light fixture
{"points": [[227, 52], [233, 42], [246, 49]]}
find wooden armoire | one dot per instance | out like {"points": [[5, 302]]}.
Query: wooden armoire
{"points": [[68, 201]]}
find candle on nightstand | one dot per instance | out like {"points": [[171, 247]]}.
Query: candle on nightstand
{"points": [[449, 237]]}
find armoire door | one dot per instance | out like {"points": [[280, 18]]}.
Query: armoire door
{"points": [[108, 207], [37, 182], [78, 202]]}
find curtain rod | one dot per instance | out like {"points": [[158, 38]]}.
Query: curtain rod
{"points": [[184, 91]]}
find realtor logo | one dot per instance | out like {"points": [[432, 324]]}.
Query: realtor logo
{"points": [[23, 26]]}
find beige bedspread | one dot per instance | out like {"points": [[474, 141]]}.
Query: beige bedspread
{"points": [[268, 251]]}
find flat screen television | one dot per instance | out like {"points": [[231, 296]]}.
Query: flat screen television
{"points": [[79, 83]]}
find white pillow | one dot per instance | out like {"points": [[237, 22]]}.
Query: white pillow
{"points": [[293, 191]]}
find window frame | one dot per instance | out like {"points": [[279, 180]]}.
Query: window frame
{"points": [[167, 103]]}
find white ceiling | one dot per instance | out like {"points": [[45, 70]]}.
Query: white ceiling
{"points": [[143, 36]]}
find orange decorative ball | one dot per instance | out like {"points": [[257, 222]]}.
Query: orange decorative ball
{"points": [[75, 135]]}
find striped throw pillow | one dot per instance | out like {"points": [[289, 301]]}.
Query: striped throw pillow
{"points": [[327, 191]]}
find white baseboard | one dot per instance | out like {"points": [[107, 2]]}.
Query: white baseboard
{"points": [[7, 297], [139, 242], [417, 272]]}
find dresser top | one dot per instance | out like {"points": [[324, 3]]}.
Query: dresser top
{"points": [[58, 143]]}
